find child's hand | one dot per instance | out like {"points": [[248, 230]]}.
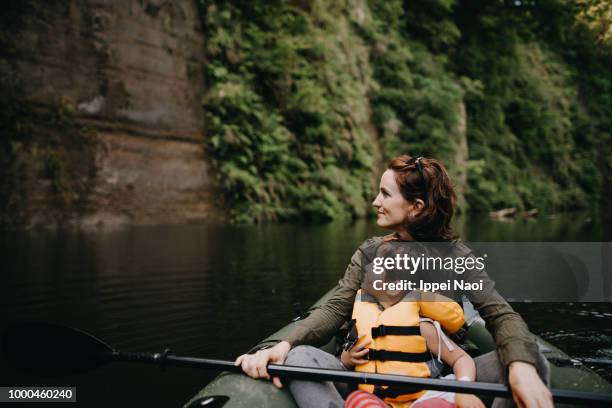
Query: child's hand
{"points": [[468, 401], [354, 356]]}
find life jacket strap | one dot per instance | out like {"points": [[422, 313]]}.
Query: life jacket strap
{"points": [[441, 337], [386, 355], [383, 330]]}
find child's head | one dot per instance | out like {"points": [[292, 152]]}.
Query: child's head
{"points": [[391, 264]]}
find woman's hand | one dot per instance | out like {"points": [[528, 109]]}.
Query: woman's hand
{"points": [[355, 355], [528, 390], [255, 365], [468, 401]]}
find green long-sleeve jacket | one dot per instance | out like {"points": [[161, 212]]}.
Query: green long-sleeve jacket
{"points": [[513, 339]]}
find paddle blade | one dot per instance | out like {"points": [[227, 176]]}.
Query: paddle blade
{"points": [[52, 350]]}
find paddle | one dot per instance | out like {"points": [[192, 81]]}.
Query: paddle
{"points": [[48, 349]]}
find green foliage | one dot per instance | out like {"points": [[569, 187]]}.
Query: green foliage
{"points": [[286, 111], [291, 96], [532, 131], [293, 88], [417, 104]]}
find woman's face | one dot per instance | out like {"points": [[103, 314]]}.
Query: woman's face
{"points": [[392, 208]]}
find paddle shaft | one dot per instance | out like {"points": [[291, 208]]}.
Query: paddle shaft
{"points": [[50, 349], [322, 374]]}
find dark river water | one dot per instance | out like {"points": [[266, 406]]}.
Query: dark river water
{"points": [[215, 291]]}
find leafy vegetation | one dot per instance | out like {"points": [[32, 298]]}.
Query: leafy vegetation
{"points": [[534, 132], [294, 86], [287, 110]]}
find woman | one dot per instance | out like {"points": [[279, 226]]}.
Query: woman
{"points": [[416, 201]]}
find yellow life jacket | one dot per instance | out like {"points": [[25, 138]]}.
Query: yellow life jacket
{"points": [[397, 346]]}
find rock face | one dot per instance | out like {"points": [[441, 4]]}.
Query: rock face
{"points": [[132, 70]]}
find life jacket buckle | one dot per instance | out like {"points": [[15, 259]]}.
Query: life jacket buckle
{"points": [[379, 331]]}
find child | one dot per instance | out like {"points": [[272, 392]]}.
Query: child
{"points": [[400, 328]]}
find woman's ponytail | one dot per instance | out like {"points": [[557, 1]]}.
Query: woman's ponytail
{"points": [[428, 180]]}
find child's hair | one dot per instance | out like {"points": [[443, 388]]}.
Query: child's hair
{"points": [[428, 180], [389, 250]]}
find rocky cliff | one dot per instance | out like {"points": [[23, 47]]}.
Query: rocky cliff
{"points": [[123, 77]]}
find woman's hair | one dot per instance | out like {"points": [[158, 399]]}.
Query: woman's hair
{"points": [[428, 180]]}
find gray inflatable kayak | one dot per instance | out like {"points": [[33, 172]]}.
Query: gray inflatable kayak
{"points": [[229, 390]]}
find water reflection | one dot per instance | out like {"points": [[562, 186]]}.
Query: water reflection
{"points": [[204, 290], [578, 227]]}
